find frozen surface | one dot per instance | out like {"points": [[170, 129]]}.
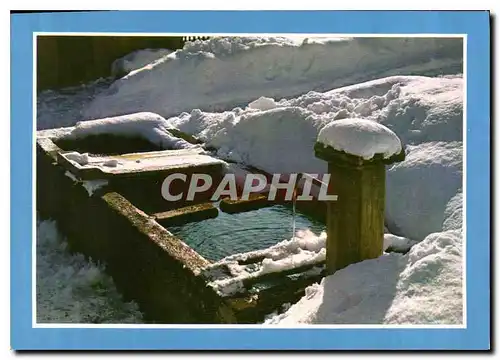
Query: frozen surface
{"points": [[221, 73], [360, 137], [70, 289]]}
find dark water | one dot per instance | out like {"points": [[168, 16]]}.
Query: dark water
{"points": [[230, 234]]}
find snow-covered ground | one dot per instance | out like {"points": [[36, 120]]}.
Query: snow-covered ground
{"points": [[72, 290], [285, 93]]}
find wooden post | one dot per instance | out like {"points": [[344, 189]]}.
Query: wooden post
{"points": [[355, 221]]}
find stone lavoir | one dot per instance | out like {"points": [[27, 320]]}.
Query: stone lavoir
{"points": [[125, 223]]}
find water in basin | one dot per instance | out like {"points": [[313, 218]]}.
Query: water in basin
{"points": [[229, 234]]}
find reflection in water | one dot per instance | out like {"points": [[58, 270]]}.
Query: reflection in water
{"points": [[230, 234]]}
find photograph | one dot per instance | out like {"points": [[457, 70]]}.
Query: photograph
{"points": [[270, 181]]}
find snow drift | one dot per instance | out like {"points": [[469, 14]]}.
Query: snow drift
{"points": [[421, 287], [223, 72]]}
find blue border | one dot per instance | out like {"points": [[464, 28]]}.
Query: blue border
{"points": [[474, 24]]}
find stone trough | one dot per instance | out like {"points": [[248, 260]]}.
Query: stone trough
{"points": [[116, 215]]}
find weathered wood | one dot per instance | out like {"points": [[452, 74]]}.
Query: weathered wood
{"points": [[355, 221]]}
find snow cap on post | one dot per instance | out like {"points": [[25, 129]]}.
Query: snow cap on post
{"points": [[357, 151], [358, 142]]}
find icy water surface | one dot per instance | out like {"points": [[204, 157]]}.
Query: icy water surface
{"points": [[229, 234]]}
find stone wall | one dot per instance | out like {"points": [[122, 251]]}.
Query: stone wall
{"points": [[147, 263]]}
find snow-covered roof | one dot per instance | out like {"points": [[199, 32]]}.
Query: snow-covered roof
{"points": [[360, 137]]}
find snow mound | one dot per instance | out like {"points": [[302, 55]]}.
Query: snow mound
{"points": [[360, 137], [137, 60], [392, 289], [150, 126], [70, 289], [232, 71], [419, 188], [280, 140]]}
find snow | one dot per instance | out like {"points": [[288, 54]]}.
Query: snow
{"points": [[93, 185], [281, 140], [142, 161], [76, 157], [422, 287], [71, 289], [233, 71], [419, 189], [90, 185], [263, 103], [305, 248], [65, 107], [148, 125], [397, 243], [137, 60], [360, 137]]}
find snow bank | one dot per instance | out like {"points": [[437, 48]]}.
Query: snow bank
{"points": [[281, 139], [70, 289], [360, 137], [222, 73], [137, 60], [419, 189], [421, 287]]}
